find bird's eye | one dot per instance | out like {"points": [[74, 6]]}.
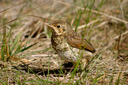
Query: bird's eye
{"points": [[58, 26]]}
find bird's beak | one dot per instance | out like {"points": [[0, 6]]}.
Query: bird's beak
{"points": [[52, 27], [48, 24]]}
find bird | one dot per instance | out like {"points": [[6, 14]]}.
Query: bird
{"points": [[66, 42]]}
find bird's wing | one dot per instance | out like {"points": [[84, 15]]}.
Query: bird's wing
{"points": [[77, 42]]}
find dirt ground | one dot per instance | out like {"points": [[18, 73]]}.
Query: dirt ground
{"points": [[105, 26]]}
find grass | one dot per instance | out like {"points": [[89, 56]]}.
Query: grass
{"points": [[28, 58]]}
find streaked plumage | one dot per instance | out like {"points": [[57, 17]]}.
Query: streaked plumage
{"points": [[66, 42]]}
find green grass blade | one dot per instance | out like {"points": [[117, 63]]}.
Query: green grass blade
{"points": [[22, 50]]}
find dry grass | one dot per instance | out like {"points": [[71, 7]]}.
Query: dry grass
{"points": [[26, 47]]}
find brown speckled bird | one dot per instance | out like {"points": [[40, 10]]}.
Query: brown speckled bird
{"points": [[66, 42]]}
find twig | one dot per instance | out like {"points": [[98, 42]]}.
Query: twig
{"points": [[101, 24], [121, 34], [40, 17], [118, 43], [82, 26], [122, 13]]}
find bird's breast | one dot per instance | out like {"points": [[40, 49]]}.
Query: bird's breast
{"points": [[59, 43]]}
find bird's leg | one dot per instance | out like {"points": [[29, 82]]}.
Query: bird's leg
{"points": [[69, 66], [72, 67]]}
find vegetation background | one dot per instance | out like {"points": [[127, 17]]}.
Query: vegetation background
{"points": [[26, 55]]}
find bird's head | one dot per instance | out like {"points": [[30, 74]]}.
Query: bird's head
{"points": [[59, 27]]}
